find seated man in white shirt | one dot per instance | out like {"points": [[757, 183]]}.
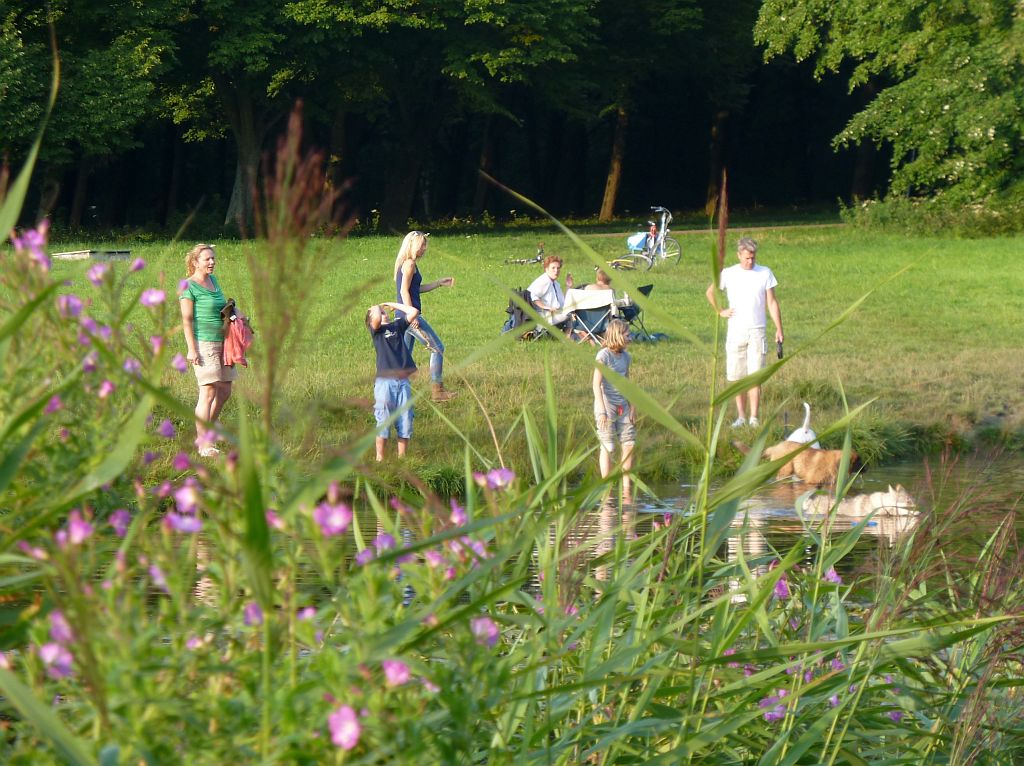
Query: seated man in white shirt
{"points": [[547, 294]]}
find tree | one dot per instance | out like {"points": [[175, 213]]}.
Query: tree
{"points": [[949, 79]]}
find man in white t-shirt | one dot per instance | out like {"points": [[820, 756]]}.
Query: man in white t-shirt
{"points": [[547, 295], [750, 289]]}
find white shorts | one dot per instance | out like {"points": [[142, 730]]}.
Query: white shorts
{"points": [[746, 353]]}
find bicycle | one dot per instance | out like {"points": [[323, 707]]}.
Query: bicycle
{"points": [[647, 248], [523, 261]]}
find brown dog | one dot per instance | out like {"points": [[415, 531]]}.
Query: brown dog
{"points": [[814, 466]]}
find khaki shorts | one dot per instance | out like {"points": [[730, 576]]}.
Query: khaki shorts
{"points": [[210, 367], [745, 354], [616, 427]]}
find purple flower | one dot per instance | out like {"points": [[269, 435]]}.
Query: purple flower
{"points": [[781, 588], [364, 557], [344, 726], [726, 653], [78, 528], [188, 525], [837, 664], [106, 389], [180, 462], [152, 297], [458, 517], [57, 659], [158, 577], [179, 363], [137, 265], [33, 551], [383, 542], [186, 497], [332, 519], [273, 520], [895, 715], [97, 273], [132, 366], [91, 361], [832, 576], [33, 240], [53, 405], [166, 429], [433, 558], [833, 701], [396, 672], [106, 332], [484, 630], [157, 343], [69, 305], [182, 285], [193, 643], [60, 629], [307, 613], [777, 713], [496, 478], [253, 614], [119, 520]]}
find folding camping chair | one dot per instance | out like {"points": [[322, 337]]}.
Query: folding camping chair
{"points": [[590, 311], [632, 314]]}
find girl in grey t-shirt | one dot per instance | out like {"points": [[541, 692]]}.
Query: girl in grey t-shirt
{"points": [[615, 416]]}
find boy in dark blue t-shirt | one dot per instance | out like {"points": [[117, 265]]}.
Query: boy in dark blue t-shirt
{"points": [[392, 392]]}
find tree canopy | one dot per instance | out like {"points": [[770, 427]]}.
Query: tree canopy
{"points": [[949, 84]]}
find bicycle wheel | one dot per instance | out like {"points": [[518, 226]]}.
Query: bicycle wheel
{"points": [[673, 253], [637, 261]]}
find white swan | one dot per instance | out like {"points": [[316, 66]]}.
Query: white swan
{"points": [[804, 434]]}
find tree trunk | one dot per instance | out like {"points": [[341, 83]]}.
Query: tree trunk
{"points": [[338, 153], [486, 164], [862, 186], [716, 160], [249, 131], [48, 194], [400, 188], [78, 198], [611, 186]]}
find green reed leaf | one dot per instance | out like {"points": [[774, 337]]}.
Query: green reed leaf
{"points": [[256, 551], [71, 749]]}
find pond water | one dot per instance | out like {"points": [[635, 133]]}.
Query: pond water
{"points": [[768, 522]]}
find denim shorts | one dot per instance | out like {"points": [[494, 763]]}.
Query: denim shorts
{"points": [[390, 396]]}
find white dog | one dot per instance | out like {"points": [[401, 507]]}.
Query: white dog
{"points": [[895, 501]]}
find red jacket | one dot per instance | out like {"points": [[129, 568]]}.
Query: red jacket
{"points": [[237, 340]]}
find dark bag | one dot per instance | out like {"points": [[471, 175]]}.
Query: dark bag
{"points": [[517, 315]]}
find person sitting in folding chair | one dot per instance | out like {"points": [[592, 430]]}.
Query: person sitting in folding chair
{"points": [[633, 315], [590, 311], [547, 295]]}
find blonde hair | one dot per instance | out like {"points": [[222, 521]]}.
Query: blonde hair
{"points": [[414, 243], [192, 258], [616, 335]]}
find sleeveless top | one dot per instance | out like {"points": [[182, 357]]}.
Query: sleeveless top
{"points": [[414, 289]]}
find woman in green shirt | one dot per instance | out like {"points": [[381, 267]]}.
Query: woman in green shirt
{"points": [[201, 302]]}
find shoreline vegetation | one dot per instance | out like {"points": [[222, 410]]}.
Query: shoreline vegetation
{"points": [[930, 348]]}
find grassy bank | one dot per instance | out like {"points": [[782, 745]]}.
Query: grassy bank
{"points": [[932, 346]]}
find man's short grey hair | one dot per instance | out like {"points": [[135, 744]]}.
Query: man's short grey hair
{"points": [[746, 243]]}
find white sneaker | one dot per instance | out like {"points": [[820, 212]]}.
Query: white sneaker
{"points": [[755, 422], [209, 452], [739, 422]]}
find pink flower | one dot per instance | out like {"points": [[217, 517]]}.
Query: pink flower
{"points": [[364, 557], [157, 343], [179, 363], [253, 614], [132, 366], [306, 613], [781, 588], [78, 529], [499, 478], [832, 576], [180, 462], [430, 686], [332, 519], [137, 265], [193, 643], [119, 521], [458, 516], [345, 727], [396, 672], [383, 542], [158, 577], [273, 520], [152, 297], [60, 629], [186, 497], [106, 389], [5, 661], [433, 558], [181, 523], [484, 630], [69, 305], [97, 273], [33, 240], [53, 405], [166, 429], [58, 660], [33, 551]]}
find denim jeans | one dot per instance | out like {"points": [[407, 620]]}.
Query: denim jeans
{"points": [[425, 334]]}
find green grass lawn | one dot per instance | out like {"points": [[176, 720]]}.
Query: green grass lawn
{"points": [[937, 346]]}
